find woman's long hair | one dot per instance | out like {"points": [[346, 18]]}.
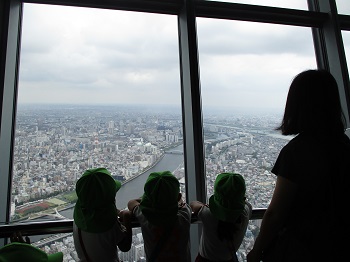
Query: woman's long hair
{"points": [[313, 105]]}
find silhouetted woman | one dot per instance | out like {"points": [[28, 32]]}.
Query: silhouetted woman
{"points": [[305, 220]]}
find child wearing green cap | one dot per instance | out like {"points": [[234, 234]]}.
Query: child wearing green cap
{"points": [[97, 230], [224, 219], [164, 218], [20, 250]]}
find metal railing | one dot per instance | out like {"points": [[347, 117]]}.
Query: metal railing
{"points": [[66, 226]]}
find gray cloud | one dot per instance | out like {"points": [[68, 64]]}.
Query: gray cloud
{"points": [[80, 55]]}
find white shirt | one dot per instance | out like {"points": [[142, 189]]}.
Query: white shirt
{"points": [[211, 247], [176, 247], [99, 246]]}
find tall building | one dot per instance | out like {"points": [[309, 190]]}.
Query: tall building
{"points": [[111, 127]]}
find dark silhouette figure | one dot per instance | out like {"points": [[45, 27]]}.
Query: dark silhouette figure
{"points": [[305, 220], [20, 250], [164, 218], [99, 228], [224, 219]]}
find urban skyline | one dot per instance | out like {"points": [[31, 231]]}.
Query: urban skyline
{"points": [[54, 145]]}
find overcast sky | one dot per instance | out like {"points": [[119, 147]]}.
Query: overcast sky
{"points": [[91, 56]]}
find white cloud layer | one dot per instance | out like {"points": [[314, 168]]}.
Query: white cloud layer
{"points": [[92, 56]]}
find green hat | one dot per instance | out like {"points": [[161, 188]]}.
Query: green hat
{"points": [[95, 210], [228, 200], [159, 202], [18, 252]]}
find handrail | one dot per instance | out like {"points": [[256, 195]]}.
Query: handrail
{"points": [[66, 226]]}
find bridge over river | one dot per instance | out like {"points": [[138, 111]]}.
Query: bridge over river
{"points": [[175, 152]]}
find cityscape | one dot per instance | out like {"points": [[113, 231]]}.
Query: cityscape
{"points": [[54, 145]]}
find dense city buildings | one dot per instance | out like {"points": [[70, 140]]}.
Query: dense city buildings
{"points": [[55, 144]]}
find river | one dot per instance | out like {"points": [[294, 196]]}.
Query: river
{"points": [[134, 188], [131, 189]]}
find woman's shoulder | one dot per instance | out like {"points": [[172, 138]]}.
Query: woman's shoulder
{"points": [[295, 144], [303, 140]]}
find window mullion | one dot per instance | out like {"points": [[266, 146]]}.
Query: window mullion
{"points": [[9, 57], [329, 49], [195, 174]]}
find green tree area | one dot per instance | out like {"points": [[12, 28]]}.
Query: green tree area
{"points": [[70, 197]]}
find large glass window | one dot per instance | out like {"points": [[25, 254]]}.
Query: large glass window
{"points": [[246, 69], [97, 88]]}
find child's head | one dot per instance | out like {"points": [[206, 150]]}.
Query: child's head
{"points": [[95, 210], [159, 202], [17, 251], [228, 200]]}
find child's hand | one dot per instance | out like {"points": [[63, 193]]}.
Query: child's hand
{"points": [[121, 214], [17, 237]]}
